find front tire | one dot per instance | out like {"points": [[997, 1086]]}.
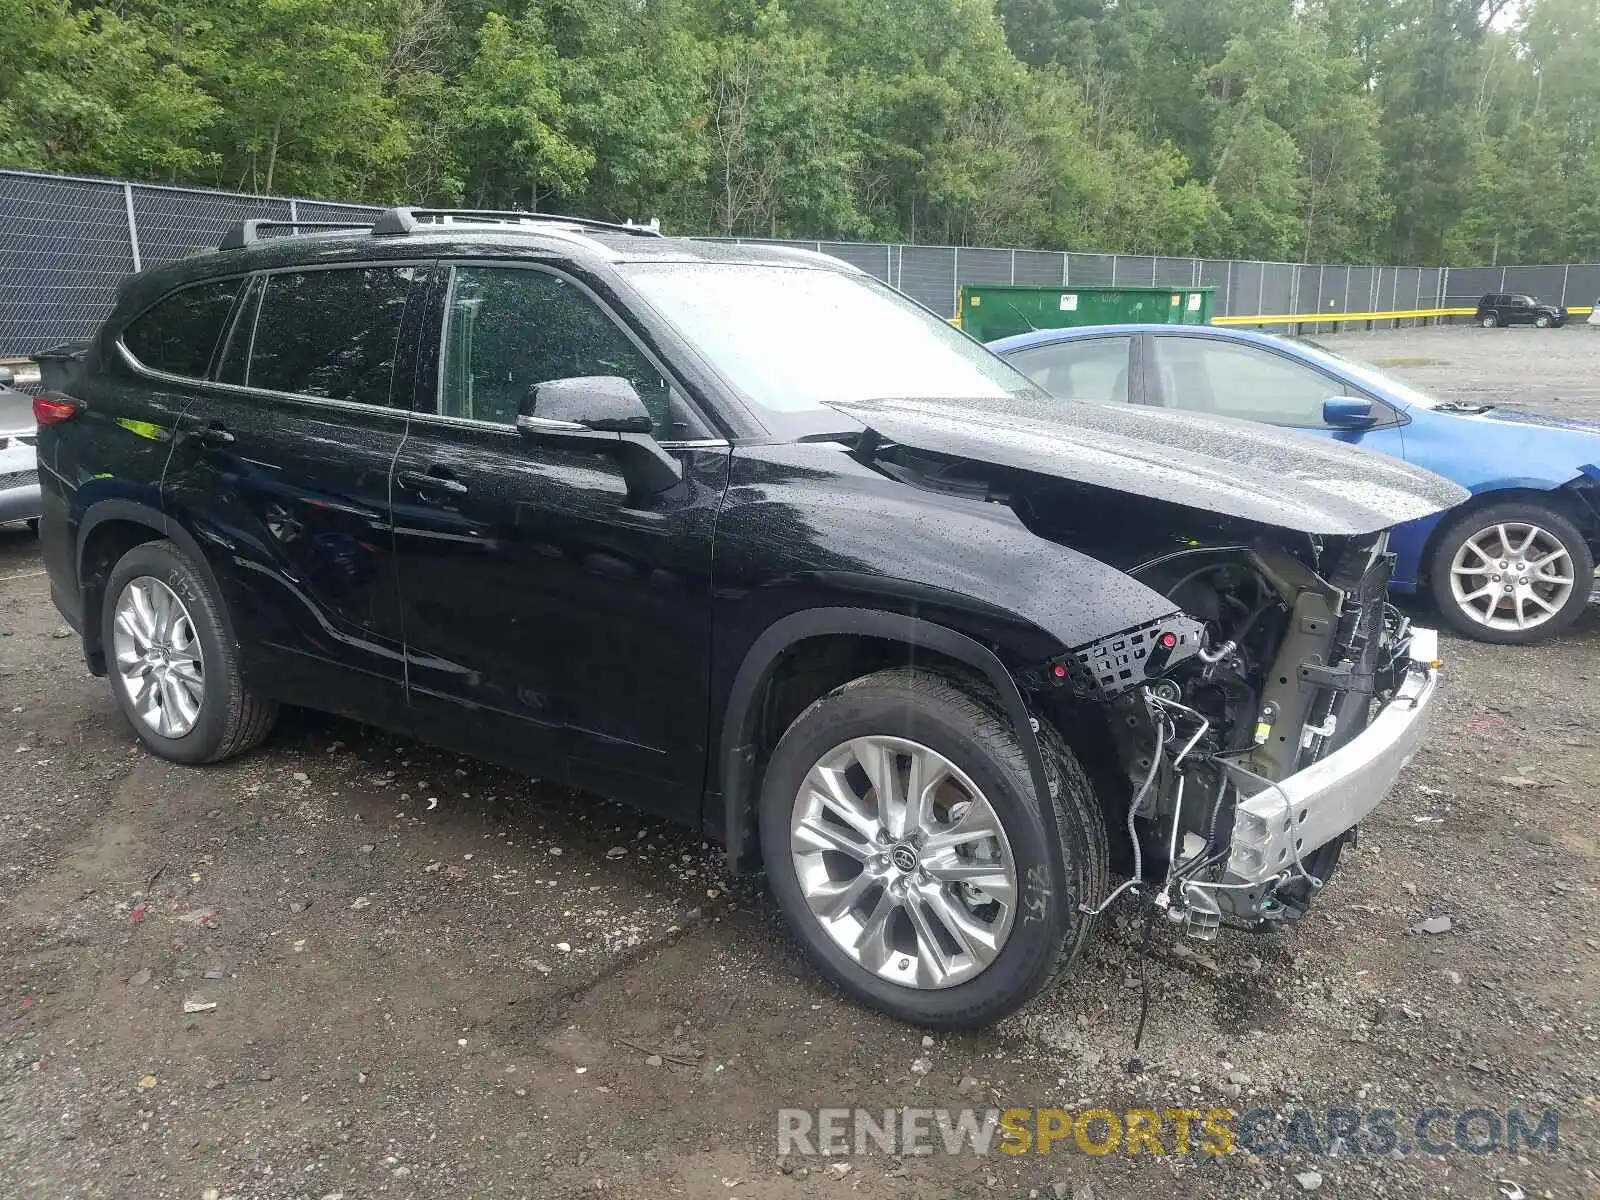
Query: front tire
{"points": [[1541, 321], [1511, 573], [173, 669], [911, 857]]}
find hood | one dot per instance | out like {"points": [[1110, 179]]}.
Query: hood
{"points": [[1495, 415], [1504, 447], [1232, 468]]}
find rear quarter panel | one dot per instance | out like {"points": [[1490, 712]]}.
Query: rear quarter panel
{"points": [[116, 448]]}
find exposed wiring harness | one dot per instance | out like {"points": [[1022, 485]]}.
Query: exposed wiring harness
{"points": [[1162, 713], [1136, 881]]}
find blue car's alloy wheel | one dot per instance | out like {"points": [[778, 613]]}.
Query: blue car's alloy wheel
{"points": [[1512, 573]]}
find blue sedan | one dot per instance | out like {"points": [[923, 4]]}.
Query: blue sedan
{"points": [[1514, 564]]}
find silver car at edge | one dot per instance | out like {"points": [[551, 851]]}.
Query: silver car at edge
{"points": [[19, 460]]}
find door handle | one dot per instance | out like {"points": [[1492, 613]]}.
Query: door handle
{"points": [[425, 482]]}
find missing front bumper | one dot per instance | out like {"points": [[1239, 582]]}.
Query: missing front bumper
{"points": [[1278, 826]]}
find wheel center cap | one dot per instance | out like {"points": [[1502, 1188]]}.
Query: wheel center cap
{"points": [[904, 857]]}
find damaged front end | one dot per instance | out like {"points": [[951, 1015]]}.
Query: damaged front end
{"points": [[1255, 725], [1260, 724]]}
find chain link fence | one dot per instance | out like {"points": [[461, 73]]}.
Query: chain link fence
{"points": [[66, 243]]}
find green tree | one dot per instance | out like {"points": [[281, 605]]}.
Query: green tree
{"points": [[299, 90], [781, 151], [1413, 130], [633, 78], [505, 120], [1428, 91], [97, 92]]}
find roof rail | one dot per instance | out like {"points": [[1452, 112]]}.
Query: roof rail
{"points": [[249, 231], [408, 220]]}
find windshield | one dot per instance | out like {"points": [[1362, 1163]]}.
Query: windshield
{"points": [[1370, 376], [793, 339]]}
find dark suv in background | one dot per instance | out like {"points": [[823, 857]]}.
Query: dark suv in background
{"points": [[1511, 308], [745, 538]]}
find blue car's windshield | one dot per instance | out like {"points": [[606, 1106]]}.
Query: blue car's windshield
{"points": [[1369, 375]]}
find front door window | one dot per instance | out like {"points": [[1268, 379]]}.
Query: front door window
{"points": [[1226, 379], [510, 329]]}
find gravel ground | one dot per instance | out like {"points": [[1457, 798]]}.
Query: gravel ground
{"points": [[434, 979]]}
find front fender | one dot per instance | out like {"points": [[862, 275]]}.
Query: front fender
{"points": [[1412, 542], [811, 542], [736, 756], [1501, 448], [806, 524]]}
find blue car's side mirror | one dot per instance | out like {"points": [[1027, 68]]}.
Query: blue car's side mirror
{"points": [[1347, 412]]}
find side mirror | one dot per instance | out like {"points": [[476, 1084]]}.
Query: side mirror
{"points": [[602, 413], [602, 403], [1348, 412]]}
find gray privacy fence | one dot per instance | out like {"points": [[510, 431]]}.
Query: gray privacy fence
{"points": [[66, 242]]}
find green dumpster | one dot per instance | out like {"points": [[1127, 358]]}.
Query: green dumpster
{"points": [[992, 310]]}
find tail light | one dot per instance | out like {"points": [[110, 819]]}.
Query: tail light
{"points": [[52, 408]]}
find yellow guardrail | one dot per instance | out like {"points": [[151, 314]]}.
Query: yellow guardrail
{"points": [[1331, 318]]}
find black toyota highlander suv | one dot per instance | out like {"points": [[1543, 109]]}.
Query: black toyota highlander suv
{"points": [[741, 536]]}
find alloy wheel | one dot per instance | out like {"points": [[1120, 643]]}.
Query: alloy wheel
{"points": [[904, 862], [158, 656], [1513, 575]]}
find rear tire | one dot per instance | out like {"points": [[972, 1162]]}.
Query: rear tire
{"points": [[176, 677], [1488, 320], [874, 948], [1451, 571]]}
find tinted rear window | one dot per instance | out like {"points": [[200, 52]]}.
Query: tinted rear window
{"points": [[234, 355], [179, 334], [331, 333]]}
